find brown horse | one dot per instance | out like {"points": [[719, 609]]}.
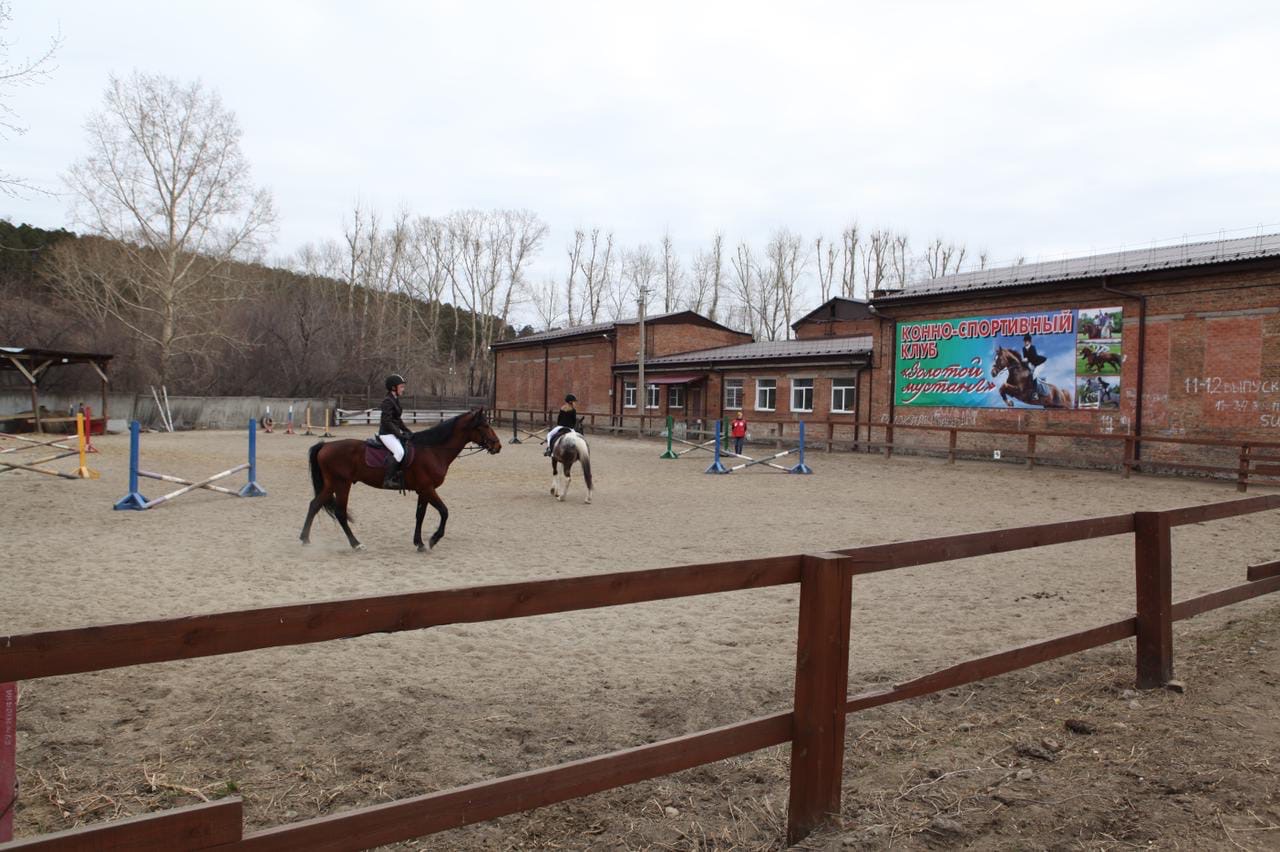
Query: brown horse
{"points": [[1020, 386], [337, 464], [1097, 359]]}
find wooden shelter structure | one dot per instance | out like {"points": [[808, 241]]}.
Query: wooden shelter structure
{"points": [[32, 363]]}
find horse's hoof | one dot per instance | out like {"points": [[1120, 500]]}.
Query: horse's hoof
{"points": [[422, 548], [357, 547]]}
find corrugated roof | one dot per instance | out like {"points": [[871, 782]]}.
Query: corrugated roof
{"points": [[1113, 263], [822, 347], [576, 330]]}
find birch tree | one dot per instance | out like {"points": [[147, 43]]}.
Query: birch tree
{"points": [[165, 178], [597, 272]]}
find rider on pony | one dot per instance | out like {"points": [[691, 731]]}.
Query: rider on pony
{"points": [[1033, 361], [566, 421], [391, 429]]}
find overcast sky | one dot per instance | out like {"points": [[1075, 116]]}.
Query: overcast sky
{"points": [[1023, 128]]}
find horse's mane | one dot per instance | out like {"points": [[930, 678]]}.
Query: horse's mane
{"points": [[439, 433]]}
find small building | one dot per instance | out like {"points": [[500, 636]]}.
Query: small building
{"points": [[534, 372]]}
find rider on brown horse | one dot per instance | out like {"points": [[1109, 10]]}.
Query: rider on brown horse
{"points": [[1033, 360], [391, 429]]}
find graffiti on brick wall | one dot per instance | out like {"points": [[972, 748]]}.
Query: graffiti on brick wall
{"points": [[1238, 400], [945, 417]]}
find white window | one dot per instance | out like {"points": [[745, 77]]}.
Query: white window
{"points": [[766, 394], [802, 394], [628, 394], [651, 398], [675, 396], [733, 394], [842, 396]]}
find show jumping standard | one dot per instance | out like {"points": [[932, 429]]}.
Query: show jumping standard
{"points": [[570, 448], [134, 500], [1018, 383], [32, 465], [768, 461], [336, 465]]}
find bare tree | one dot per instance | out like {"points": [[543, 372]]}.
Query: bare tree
{"points": [[167, 180], [784, 263], [827, 269], [875, 261], [570, 285], [597, 270], [641, 273], [849, 261], [15, 75], [672, 275], [942, 258], [900, 260], [545, 298]]}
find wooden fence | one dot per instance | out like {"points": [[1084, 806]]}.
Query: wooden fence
{"points": [[1256, 462], [814, 727]]}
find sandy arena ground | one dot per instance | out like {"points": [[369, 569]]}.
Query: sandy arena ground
{"points": [[309, 730]]}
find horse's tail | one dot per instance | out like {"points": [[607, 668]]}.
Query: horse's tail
{"points": [[317, 480], [586, 462]]}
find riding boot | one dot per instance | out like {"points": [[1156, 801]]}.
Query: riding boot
{"points": [[547, 451], [391, 479]]}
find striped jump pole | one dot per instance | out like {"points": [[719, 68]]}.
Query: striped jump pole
{"points": [[717, 466], [669, 454], [134, 500]]}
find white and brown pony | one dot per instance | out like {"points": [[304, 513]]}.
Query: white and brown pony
{"points": [[570, 447]]}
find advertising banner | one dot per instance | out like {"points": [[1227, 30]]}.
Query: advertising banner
{"points": [[1057, 359]]}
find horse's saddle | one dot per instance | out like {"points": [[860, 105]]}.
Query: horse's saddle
{"points": [[376, 453]]}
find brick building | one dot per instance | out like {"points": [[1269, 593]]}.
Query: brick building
{"points": [[1177, 342]]}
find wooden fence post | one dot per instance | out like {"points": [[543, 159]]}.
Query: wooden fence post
{"points": [[1127, 462], [951, 448], [1242, 477], [822, 681], [1031, 450], [888, 440], [8, 758], [1153, 564]]}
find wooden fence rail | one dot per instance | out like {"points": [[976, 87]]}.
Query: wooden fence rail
{"points": [[1256, 461], [814, 727]]}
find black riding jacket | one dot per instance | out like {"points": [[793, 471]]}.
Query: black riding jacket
{"points": [[391, 424], [568, 417], [1031, 356]]}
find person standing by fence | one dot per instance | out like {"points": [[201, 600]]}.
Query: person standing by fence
{"points": [[738, 431]]}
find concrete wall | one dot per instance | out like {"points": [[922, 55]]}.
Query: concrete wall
{"points": [[189, 412]]}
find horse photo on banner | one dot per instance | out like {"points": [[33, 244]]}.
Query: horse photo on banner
{"points": [[1022, 360]]}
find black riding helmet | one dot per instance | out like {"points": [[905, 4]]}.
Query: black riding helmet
{"points": [[570, 398], [393, 380]]}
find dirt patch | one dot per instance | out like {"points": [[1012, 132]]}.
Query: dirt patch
{"points": [[304, 731]]}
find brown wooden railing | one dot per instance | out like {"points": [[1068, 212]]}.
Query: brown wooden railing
{"points": [[814, 727], [1253, 462]]}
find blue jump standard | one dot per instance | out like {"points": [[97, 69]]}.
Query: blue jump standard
{"points": [[132, 500], [716, 466]]}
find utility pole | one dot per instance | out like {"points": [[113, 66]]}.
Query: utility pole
{"points": [[641, 389]]}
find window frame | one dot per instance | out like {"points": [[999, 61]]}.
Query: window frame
{"points": [[628, 392], [674, 391], [801, 388], [652, 392], [850, 391], [738, 385], [772, 386]]}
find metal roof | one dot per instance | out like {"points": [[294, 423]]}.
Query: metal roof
{"points": [[595, 328], [1094, 266], [765, 350]]}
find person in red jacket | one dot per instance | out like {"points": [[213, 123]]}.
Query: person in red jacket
{"points": [[738, 430]]}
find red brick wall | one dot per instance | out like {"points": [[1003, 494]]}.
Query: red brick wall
{"points": [[580, 367], [1211, 366], [835, 328], [674, 338]]}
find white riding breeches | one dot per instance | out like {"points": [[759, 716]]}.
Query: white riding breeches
{"points": [[392, 443], [555, 430]]}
